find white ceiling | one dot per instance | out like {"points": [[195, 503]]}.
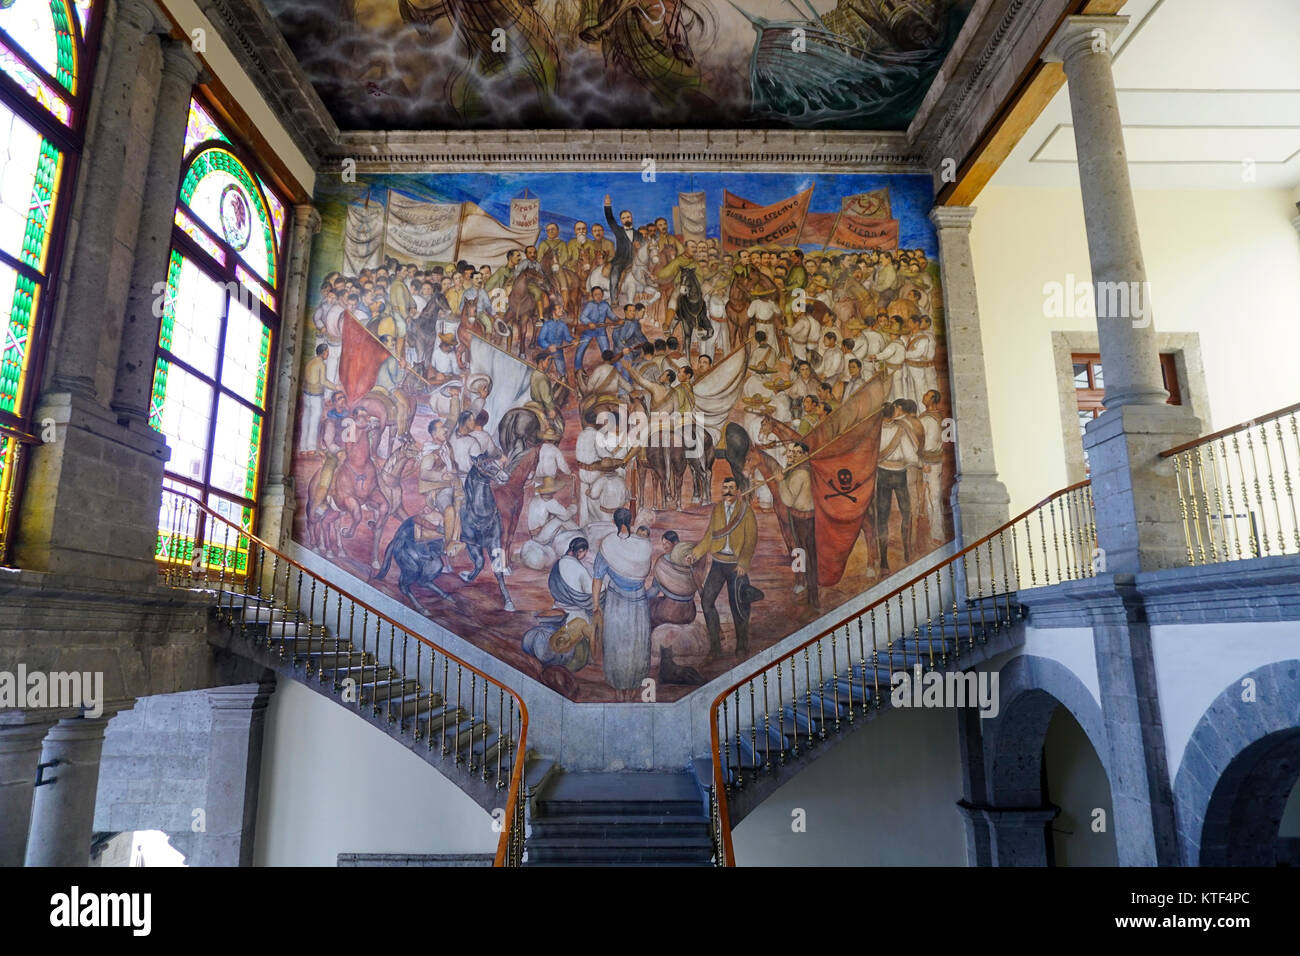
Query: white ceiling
{"points": [[1210, 95]]}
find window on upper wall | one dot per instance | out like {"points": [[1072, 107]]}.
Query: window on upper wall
{"points": [[1090, 386], [220, 318], [46, 61]]}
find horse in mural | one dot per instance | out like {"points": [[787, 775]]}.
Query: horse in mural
{"points": [[418, 562], [739, 296], [530, 293], [480, 522], [568, 287], [692, 308]]}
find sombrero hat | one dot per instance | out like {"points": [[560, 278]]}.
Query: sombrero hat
{"points": [[548, 486], [447, 338]]}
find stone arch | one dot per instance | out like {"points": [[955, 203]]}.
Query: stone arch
{"points": [[1239, 767], [1031, 688]]}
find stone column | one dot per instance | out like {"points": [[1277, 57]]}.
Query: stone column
{"points": [[1138, 522], [234, 773], [21, 736], [979, 500], [1018, 836], [63, 810], [277, 498], [87, 313], [135, 363], [90, 505]]}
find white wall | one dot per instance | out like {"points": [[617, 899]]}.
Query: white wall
{"points": [[886, 796], [1195, 663], [1076, 782], [333, 784], [1223, 264]]}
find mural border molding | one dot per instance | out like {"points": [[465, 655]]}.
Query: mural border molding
{"points": [[626, 150], [987, 59]]}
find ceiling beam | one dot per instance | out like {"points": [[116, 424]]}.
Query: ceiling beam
{"points": [[1037, 85]]}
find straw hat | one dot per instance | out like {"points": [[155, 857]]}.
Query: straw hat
{"points": [[548, 486]]}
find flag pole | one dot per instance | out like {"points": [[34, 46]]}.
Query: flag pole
{"points": [[834, 226]]}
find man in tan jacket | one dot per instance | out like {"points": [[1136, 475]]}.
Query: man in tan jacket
{"points": [[730, 540]]}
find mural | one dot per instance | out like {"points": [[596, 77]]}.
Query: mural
{"points": [[624, 435], [419, 64]]}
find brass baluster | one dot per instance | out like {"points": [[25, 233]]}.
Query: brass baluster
{"points": [[482, 764], [311, 623], [352, 643], [848, 660], [726, 747], [767, 730], [875, 662], [916, 625], [473, 701], [221, 581], [428, 713], [1218, 504], [835, 683], [1006, 576], [401, 707], [361, 677], [338, 631], [794, 708], [929, 620], [862, 659], [1051, 507], [1272, 485], [821, 694], [889, 638], [1232, 505], [509, 743], [740, 755], [502, 731], [753, 728], [1029, 545], [446, 693], [1245, 495], [1295, 436], [780, 715], [1196, 506], [1204, 505], [394, 672], [455, 744], [1042, 533], [297, 623], [956, 618], [401, 720], [1182, 509], [374, 693], [1286, 479]]}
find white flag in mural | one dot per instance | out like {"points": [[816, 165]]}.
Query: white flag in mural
{"points": [[363, 238], [524, 213], [484, 241], [422, 231], [692, 215]]}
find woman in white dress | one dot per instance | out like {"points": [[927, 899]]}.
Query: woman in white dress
{"points": [[622, 608]]}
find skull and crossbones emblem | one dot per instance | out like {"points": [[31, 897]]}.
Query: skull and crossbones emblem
{"points": [[844, 478]]}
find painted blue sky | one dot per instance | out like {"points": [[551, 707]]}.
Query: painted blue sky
{"points": [[568, 197]]}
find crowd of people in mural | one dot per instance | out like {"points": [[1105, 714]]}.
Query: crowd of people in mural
{"points": [[461, 421]]}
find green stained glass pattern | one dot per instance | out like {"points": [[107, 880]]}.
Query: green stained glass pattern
{"points": [[277, 211], [202, 190], [30, 168], [18, 302], [254, 446], [159, 397], [43, 28], [165, 330]]}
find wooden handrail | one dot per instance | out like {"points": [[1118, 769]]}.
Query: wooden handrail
{"points": [[1225, 432], [516, 772], [719, 784]]}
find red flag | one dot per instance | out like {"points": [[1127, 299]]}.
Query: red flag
{"points": [[361, 358], [846, 448], [745, 225], [856, 232]]}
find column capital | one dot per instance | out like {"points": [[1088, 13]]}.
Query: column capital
{"points": [[953, 217], [179, 60], [143, 15], [306, 215], [1084, 35]]}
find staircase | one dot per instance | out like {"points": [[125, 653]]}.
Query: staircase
{"points": [[273, 611], [620, 819], [951, 618]]}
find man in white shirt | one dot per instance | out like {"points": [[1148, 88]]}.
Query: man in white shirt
{"points": [[893, 359], [831, 367], [919, 359], [762, 313], [931, 456], [898, 452]]}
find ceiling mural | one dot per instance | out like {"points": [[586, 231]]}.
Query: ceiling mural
{"points": [[624, 435], [466, 64]]}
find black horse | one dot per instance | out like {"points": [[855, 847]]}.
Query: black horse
{"points": [[480, 521], [692, 309], [418, 562]]}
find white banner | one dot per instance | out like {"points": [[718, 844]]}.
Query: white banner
{"points": [[692, 215], [485, 241], [525, 213], [422, 231], [363, 238]]}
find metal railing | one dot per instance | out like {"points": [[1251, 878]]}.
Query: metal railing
{"points": [[1237, 489], [276, 602], [932, 622]]}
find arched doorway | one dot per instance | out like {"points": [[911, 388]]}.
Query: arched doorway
{"points": [[1244, 815]]}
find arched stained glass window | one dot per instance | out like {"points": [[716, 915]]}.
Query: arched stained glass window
{"points": [[45, 61], [220, 319]]}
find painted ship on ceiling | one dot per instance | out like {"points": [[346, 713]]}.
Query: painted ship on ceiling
{"points": [[864, 65]]}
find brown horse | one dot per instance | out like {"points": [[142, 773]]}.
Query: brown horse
{"points": [[529, 296], [739, 297], [568, 287]]}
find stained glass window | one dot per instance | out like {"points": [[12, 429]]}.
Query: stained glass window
{"points": [[44, 59], [218, 327]]}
